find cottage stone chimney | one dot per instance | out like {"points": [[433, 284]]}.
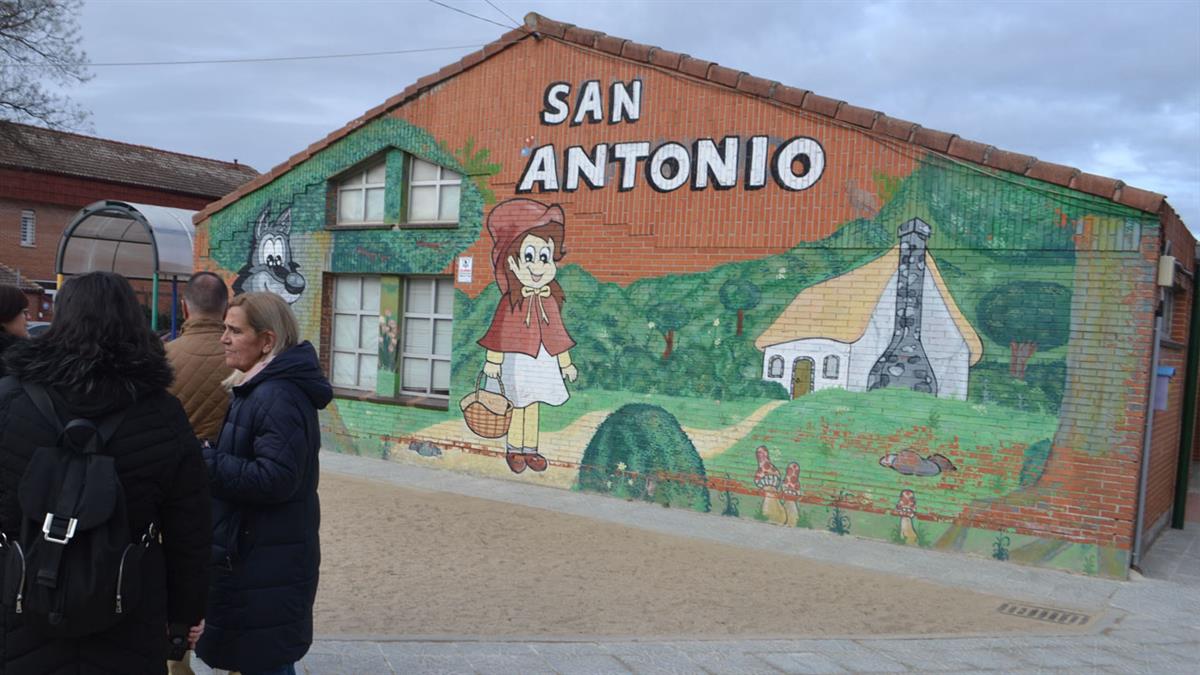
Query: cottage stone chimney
{"points": [[904, 363]]}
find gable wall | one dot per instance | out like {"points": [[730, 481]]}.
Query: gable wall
{"points": [[1059, 285]]}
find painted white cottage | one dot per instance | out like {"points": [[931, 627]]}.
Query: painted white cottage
{"points": [[834, 334]]}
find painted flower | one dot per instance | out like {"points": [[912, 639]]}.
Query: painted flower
{"points": [[716, 322], [620, 466], [650, 325]]}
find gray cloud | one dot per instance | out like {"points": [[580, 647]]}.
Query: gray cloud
{"points": [[1110, 87]]}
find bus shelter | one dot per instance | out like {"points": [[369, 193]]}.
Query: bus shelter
{"points": [[138, 241]]}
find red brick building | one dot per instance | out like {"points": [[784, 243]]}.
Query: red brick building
{"points": [[46, 176], [684, 284]]}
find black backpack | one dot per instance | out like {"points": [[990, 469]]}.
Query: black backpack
{"points": [[75, 569]]}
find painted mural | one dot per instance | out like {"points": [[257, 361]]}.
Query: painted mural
{"points": [[271, 266], [528, 347], [924, 370]]}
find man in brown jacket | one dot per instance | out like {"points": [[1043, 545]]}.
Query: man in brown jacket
{"points": [[198, 357]]}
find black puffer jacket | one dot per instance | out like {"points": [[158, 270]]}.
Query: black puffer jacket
{"points": [[263, 475], [160, 467], [6, 341]]}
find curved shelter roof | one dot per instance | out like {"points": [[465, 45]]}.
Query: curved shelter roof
{"points": [[137, 241]]}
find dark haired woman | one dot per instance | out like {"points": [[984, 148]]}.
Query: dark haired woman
{"points": [[13, 305], [527, 344], [99, 357]]}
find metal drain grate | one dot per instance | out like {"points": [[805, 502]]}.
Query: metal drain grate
{"points": [[1060, 616]]}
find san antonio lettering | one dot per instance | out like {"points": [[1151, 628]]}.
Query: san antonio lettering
{"points": [[796, 164]]}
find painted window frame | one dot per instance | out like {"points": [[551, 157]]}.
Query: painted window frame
{"points": [[359, 313], [438, 313], [438, 184], [776, 367], [28, 228], [830, 367], [341, 185]]}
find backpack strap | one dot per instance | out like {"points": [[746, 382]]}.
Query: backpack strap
{"points": [[41, 400]]}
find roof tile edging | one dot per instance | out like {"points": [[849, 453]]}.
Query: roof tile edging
{"points": [[940, 142]]}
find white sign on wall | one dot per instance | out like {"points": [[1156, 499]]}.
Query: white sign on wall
{"points": [[466, 265]]}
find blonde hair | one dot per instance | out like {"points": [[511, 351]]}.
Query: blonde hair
{"points": [[266, 311]]}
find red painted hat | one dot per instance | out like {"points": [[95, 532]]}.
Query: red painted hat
{"points": [[510, 220]]}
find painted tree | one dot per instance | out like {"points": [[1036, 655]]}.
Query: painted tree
{"points": [[39, 52], [667, 318], [739, 295], [1028, 315]]}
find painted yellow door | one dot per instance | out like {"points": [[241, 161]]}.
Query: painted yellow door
{"points": [[802, 371]]}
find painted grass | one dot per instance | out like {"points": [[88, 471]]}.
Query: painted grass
{"points": [[985, 438], [696, 413]]}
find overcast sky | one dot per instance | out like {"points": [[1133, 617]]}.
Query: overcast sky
{"points": [[1110, 87]]}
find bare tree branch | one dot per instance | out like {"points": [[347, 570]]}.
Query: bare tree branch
{"points": [[40, 55]]}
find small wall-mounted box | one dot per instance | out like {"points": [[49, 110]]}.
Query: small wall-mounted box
{"points": [[1166, 271]]}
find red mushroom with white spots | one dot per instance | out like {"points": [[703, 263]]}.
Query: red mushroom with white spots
{"points": [[906, 508]]}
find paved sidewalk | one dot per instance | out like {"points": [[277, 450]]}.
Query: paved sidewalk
{"points": [[1146, 625]]}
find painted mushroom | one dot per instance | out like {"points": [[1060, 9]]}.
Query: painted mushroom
{"points": [[767, 479], [906, 508]]}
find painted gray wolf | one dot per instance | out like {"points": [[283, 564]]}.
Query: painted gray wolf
{"points": [[271, 267]]}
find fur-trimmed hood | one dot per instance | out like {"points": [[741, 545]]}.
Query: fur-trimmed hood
{"points": [[91, 384]]}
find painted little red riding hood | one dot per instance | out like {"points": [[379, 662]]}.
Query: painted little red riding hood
{"points": [[527, 344]]}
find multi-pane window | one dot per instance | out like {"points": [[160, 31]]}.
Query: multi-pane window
{"points": [[433, 193], [831, 367], [28, 227], [425, 349], [775, 367], [355, 332], [360, 197]]}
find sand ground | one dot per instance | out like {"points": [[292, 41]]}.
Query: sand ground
{"points": [[404, 562]]}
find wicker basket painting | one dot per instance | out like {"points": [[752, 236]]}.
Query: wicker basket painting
{"points": [[487, 413]]}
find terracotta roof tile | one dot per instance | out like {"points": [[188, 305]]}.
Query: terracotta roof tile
{"points": [[933, 139], [472, 59], [1100, 186], [11, 277], [694, 67], [756, 85], [541, 24], [665, 58], [821, 104], [972, 151], [1143, 200], [1010, 161], [722, 75], [636, 52], [897, 128], [863, 117], [610, 44], [582, 36], [1052, 173], [789, 95], [59, 152], [874, 121]]}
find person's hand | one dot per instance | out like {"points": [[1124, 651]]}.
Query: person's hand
{"points": [[491, 370], [570, 373], [194, 634]]}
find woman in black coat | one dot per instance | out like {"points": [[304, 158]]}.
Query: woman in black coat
{"points": [[13, 306], [263, 474], [97, 358]]}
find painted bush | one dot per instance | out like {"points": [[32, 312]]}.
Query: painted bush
{"points": [[640, 452]]}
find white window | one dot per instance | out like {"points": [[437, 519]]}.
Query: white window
{"points": [[432, 193], [830, 367], [355, 332], [425, 349], [360, 197], [775, 367], [28, 227]]}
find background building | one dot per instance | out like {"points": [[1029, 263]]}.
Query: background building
{"points": [[966, 337], [47, 176]]}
